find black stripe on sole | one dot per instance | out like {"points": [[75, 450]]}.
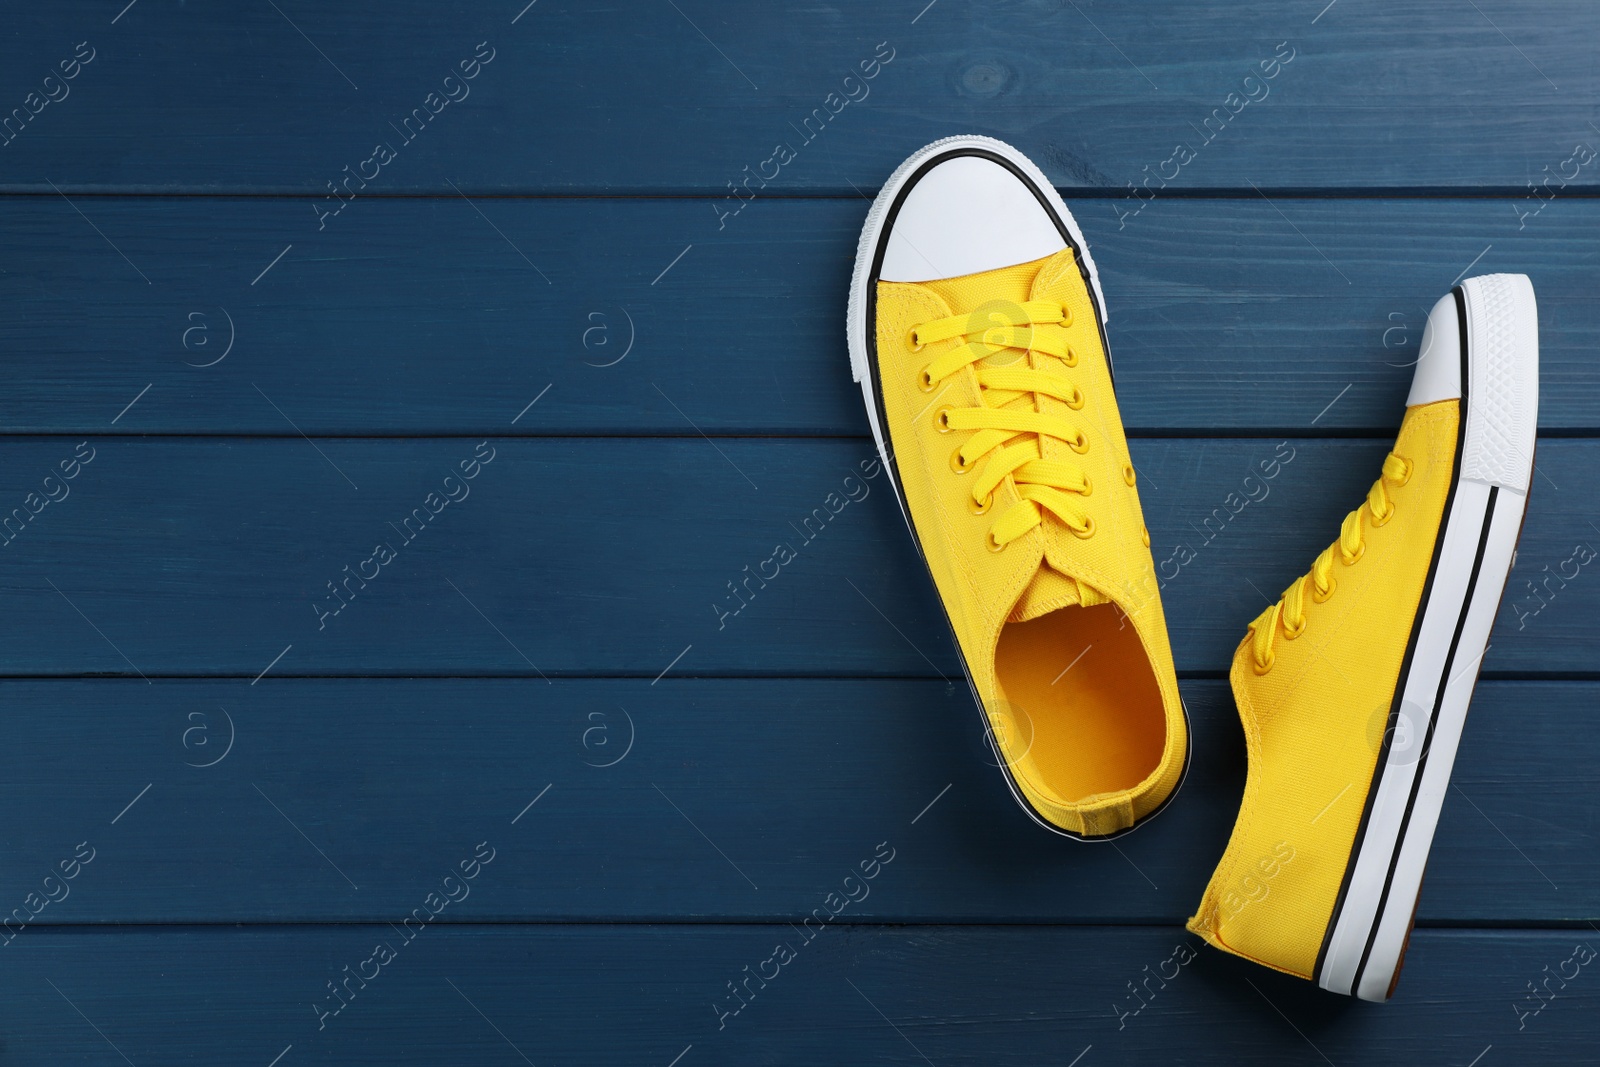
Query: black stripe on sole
{"points": [[1405, 665], [1433, 720]]}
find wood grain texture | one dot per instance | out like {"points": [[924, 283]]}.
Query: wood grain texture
{"points": [[424, 316], [300, 800], [612, 556], [234, 366], [645, 994], [632, 98]]}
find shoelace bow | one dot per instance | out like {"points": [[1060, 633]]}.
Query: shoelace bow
{"points": [[1054, 485], [1290, 610]]}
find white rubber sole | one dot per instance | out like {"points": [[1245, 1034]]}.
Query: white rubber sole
{"points": [[1371, 921], [863, 294]]}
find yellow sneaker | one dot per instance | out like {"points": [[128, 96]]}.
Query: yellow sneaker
{"points": [[976, 332], [1353, 688]]}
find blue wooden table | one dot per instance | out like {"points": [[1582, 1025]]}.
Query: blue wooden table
{"points": [[395, 394]]}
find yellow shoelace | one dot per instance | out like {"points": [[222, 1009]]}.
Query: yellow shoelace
{"points": [[1290, 610], [1056, 486]]}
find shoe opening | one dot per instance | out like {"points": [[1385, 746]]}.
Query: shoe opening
{"points": [[1081, 711]]}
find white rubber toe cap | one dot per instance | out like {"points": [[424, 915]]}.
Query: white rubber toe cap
{"points": [[967, 215], [1438, 373]]}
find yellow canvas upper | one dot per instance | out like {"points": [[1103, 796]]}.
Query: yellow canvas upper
{"points": [[1314, 680], [1063, 608]]}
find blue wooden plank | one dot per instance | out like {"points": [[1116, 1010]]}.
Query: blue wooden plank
{"points": [[418, 317], [303, 800], [646, 994], [182, 806], [644, 97], [612, 556]]}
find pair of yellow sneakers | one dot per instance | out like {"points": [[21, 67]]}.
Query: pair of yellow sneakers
{"points": [[977, 333]]}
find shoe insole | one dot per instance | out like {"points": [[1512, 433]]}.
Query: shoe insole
{"points": [[1083, 706]]}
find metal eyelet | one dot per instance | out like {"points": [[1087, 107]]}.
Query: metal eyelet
{"points": [[925, 380], [941, 420], [1127, 473], [957, 465], [1088, 486], [1290, 635], [1144, 533], [1076, 403], [1071, 358], [1383, 520], [1262, 668], [916, 345], [1066, 315], [1319, 597], [979, 507], [1410, 468], [995, 546], [1081, 445], [1088, 528], [1353, 560]]}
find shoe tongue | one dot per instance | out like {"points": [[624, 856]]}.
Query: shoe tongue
{"points": [[1049, 589], [1001, 290]]}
